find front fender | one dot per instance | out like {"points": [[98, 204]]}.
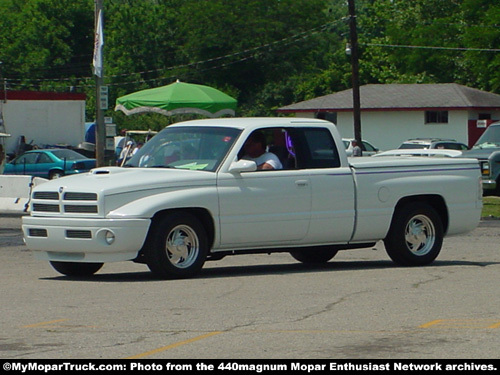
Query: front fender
{"points": [[146, 207]]}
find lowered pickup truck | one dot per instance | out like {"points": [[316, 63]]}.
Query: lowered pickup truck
{"points": [[189, 195]]}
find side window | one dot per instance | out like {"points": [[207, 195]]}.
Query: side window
{"points": [[44, 159], [315, 148], [368, 147], [269, 148], [28, 159]]}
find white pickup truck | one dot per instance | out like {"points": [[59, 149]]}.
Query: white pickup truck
{"points": [[189, 195]]}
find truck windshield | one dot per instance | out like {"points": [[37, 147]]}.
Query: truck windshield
{"points": [[490, 138], [187, 147]]}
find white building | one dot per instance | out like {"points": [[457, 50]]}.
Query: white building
{"points": [[393, 113], [44, 118]]}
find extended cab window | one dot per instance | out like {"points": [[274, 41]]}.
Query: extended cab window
{"points": [[315, 148]]}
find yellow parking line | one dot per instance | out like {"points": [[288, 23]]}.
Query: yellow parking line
{"points": [[463, 323], [44, 323], [434, 322], [164, 348]]}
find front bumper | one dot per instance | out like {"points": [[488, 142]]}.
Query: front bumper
{"points": [[84, 239], [489, 184]]}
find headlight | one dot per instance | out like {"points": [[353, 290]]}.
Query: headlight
{"points": [[485, 168]]}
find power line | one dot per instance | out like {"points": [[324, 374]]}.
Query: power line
{"points": [[281, 42], [432, 47]]}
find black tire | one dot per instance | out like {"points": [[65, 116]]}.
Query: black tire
{"points": [[178, 246], [55, 174], [76, 268], [416, 235], [313, 256]]}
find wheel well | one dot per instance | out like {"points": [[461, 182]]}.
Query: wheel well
{"points": [[55, 170], [435, 201], [201, 214]]}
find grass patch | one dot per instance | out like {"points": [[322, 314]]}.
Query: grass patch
{"points": [[491, 207]]}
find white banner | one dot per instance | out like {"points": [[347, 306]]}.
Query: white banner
{"points": [[98, 43]]}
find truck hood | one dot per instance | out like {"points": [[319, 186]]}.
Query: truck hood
{"points": [[116, 180], [480, 153]]}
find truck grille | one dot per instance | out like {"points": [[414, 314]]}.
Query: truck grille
{"points": [[67, 202]]}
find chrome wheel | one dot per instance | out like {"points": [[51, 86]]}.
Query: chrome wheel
{"points": [[420, 235], [182, 246], [177, 246], [415, 236]]}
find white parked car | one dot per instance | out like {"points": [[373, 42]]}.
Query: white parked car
{"points": [[367, 148], [421, 152], [433, 143], [175, 210]]}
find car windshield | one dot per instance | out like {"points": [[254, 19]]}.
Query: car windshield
{"points": [[186, 147], [490, 138], [67, 154]]}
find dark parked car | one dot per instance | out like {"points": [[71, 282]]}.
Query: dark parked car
{"points": [[49, 163]]}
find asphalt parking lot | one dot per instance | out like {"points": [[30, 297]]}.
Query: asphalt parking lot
{"points": [[359, 305]]}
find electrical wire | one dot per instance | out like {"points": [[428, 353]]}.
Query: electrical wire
{"points": [[247, 54], [432, 47]]}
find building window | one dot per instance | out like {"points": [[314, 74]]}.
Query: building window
{"points": [[436, 117], [484, 116]]}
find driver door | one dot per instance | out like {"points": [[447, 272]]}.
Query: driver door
{"points": [[265, 207]]}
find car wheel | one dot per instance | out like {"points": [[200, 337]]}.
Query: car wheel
{"points": [[76, 268], [415, 236], [178, 246], [55, 174], [313, 256]]}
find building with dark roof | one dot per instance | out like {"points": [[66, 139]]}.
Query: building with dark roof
{"points": [[393, 113]]}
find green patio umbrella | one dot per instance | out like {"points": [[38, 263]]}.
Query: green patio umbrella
{"points": [[178, 97]]}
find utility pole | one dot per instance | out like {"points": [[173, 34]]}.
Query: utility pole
{"points": [[100, 128], [355, 72]]}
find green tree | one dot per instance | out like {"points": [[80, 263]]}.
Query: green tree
{"points": [[482, 31], [41, 39]]}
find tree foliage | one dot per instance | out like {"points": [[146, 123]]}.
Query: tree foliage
{"points": [[266, 53]]}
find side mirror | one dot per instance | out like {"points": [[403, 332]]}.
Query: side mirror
{"points": [[242, 166]]}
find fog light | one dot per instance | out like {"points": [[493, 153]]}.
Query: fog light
{"points": [[109, 237]]}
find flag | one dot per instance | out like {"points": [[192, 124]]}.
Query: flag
{"points": [[98, 43]]}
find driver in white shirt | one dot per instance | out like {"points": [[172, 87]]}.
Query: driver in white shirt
{"points": [[255, 150]]}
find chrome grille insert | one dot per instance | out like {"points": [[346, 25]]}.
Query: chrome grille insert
{"points": [[69, 196], [52, 195], [73, 208], [40, 207]]}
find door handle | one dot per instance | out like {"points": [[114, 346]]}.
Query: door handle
{"points": [[301, 183]]}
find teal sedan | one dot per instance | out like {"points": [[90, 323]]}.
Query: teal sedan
{"points": [[49, 163]]}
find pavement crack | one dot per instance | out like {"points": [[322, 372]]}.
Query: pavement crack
{"points": [[328, 307]]}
